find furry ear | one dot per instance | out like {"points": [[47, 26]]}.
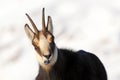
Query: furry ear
{"points": [[29, 32], [50, 25]]}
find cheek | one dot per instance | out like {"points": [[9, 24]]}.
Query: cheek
{"points": [[40, 58]]}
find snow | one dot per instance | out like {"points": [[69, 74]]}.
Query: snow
{"points": [[91, 25]]}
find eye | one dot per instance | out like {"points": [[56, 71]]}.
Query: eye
{"points": [[33, 43], [37, 49]]}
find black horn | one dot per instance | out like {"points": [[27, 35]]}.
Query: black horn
{"points": [[33, 24], [43, 21]]}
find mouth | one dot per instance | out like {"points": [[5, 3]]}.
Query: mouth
{"points": [[46, 62], [48, 59]]}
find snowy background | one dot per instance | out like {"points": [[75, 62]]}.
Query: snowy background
{"points": [[92, 25]]}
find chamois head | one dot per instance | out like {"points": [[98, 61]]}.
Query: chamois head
{"points": [[43, 42]]}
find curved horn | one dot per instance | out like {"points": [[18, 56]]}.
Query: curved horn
{"points": [[43, 21], [34, 26]]}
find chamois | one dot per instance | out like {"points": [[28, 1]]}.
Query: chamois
{"points": [[61, 64]]}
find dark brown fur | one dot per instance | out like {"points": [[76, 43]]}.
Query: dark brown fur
{"points": [[71, 65], [62, 64]]}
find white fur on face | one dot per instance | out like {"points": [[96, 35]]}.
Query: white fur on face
{"points": [[44, 49], [44, 45], [52, 59]]}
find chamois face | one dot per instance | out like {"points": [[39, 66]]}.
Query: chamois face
{"points": [[44, 46], [43, 42]]}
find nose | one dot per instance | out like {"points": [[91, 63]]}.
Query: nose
{"points": [[46, 62], [47, 56]]}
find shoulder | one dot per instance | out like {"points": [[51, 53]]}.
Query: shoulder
{"points": [[82, 52]]}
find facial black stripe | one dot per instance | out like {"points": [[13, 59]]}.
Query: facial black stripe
{"points": [[38, 50], [52, 47]]}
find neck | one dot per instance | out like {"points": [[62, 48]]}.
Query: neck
{"points": [[54, 71]]}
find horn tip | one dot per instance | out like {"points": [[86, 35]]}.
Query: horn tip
{"points": [[26, 26], [26, 14], [43, 9], [49, 17]]}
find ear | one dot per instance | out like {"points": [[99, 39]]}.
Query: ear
{"points": [[50, 25], [29, 32]]}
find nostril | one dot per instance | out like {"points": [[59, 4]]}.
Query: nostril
{"points": [[47, 56], [46, 62]]}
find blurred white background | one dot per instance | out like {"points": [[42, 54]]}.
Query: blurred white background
{"points": [[91, 25]]}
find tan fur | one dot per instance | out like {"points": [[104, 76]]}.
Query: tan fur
{"points": [[43, 42], [53, 59], [36, 42], [44, 45], [49, 38]]}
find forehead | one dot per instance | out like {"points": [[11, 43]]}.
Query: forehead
{"points": [[44, 34], [43, 38]]}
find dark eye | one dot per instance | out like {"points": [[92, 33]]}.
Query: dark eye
{"points": [[36, 47]]}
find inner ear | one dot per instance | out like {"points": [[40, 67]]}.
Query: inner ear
{"points": [[50, 25], [29, 32]]}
